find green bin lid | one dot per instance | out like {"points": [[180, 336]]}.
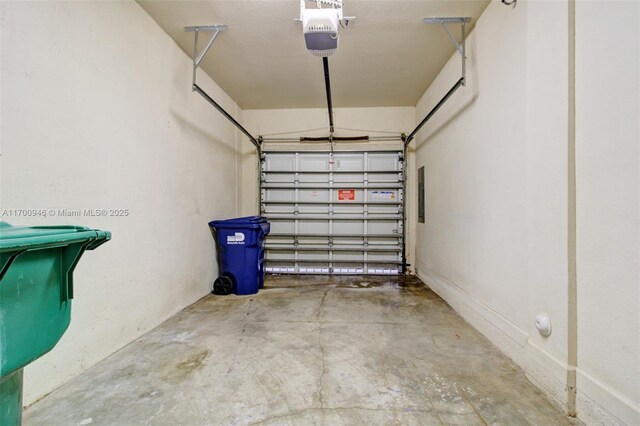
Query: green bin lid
{"points": [[14, 238]]}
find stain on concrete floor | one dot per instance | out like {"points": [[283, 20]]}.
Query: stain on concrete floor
{"points": [[306, 350]]}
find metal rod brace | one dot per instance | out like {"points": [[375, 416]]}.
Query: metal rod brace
{"points": [[460, 47], [408, 139], [197, 58]]}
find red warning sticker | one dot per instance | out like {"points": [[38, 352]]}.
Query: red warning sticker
{"points": [[346, 194]]}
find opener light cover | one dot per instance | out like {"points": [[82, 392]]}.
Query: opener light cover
{"points": [[320, 29]]}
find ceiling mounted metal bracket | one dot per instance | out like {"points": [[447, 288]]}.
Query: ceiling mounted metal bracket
{"points": [[336, 4], [197, 58], [215, 30], [460, 47]]}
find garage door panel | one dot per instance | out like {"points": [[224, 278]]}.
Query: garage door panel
{"points": [[352, 209], [313, 227], [355, 256], [313, 195], [312, 162], [342, 178], [347, 228], [279, 209], [283, 255], [312, 178], [280, 162], [383, 162], [383, 241], [319, 256], [382, 178], [276, 195], [312, 210], [282, 227], [333, 213], [348, 161], [387, 257], [276, 178], [386, 211], [383, 227]]}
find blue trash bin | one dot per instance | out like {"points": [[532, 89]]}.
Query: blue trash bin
{"points": [[241, 252], [266, 227]]}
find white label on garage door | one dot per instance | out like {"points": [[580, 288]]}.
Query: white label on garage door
{"points": [[383, 195]]}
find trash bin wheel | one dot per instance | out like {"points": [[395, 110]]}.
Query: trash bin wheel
{"points": [[223, 285]]}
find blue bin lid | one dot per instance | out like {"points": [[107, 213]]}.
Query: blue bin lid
{"points": [[246, 222], [223, 224], [252, 219]]}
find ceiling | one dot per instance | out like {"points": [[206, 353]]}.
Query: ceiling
{"points": [[386, 57]]}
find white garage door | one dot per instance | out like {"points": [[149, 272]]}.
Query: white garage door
{"points": [[334, 213]]}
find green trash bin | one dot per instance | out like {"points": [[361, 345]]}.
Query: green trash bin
{"points": [[36, 288]]}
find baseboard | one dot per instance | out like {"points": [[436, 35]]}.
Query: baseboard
{"points": [[547, 373], [543, 370], [597, 403], [611, 408], [502, 332]]}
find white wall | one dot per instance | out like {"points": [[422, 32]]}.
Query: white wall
{"points": [[288, 123], [97, 112], [472, 247], [608, 212], [496, 243]]}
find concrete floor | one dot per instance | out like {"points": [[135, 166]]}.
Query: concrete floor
{"points": [[312, 350]]}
